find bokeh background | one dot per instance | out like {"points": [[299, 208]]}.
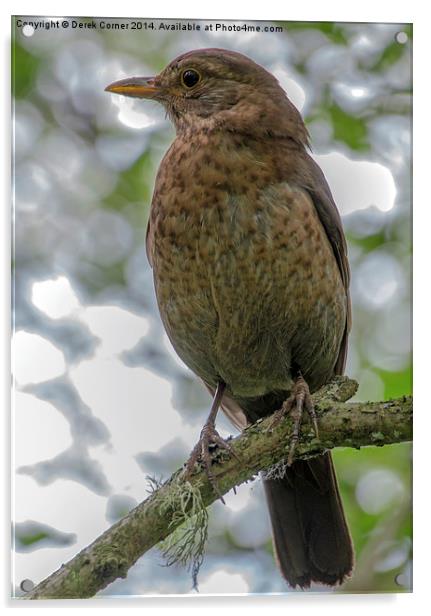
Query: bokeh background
{"points": [[100, 398]]}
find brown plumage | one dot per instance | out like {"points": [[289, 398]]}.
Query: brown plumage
{"points": [[251, 276]]}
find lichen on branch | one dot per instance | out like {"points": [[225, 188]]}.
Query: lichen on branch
{"points": [[179, 502]]}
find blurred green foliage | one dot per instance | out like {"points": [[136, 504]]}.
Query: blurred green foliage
{"points": [[133, 183], [348, 128], [27, 540], [333, 31], [24, 71]]}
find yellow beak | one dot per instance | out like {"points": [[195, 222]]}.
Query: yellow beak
{"points": [[138, 87]]}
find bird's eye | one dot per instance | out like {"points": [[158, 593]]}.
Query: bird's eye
{"points": [[190, 78]]}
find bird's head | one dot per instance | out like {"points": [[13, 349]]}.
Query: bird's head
{"points": [[217, 88]]}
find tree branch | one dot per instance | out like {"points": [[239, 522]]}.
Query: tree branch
{"points": [[341, 424]]}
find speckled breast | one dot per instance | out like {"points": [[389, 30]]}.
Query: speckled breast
{"points": [[246, 279]]}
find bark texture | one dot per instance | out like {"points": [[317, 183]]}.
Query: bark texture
{"points": [[341, 424]]}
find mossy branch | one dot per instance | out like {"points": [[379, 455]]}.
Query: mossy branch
{"points": [[110, 556]]}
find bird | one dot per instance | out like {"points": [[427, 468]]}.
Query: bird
{"points": [[252, 277]]}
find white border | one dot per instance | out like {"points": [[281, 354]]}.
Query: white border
{"points": [[340, 10]]}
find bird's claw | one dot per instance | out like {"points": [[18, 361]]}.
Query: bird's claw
{"points": [[294, 406], [201, 452]]}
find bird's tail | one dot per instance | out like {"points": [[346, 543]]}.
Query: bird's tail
{"points": [[311, 537]]}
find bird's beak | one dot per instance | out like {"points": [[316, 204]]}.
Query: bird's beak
{"points": [[138, 87]]}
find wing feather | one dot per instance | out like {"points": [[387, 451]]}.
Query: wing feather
{"points": [[330, 218]]}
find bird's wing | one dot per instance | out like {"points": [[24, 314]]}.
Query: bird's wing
{"points": [[149, 243], [329, 216]]}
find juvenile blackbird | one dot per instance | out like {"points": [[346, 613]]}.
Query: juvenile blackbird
{"points": [[252, 278]]}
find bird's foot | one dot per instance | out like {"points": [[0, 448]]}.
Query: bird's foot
{"points": [[201, 452], [294, 406]]}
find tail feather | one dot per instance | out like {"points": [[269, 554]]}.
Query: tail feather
{"points": [[311, 537]]}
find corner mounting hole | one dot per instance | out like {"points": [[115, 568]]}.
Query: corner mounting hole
{"points": [[401, 38], [26, 585], [28, 30]]}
